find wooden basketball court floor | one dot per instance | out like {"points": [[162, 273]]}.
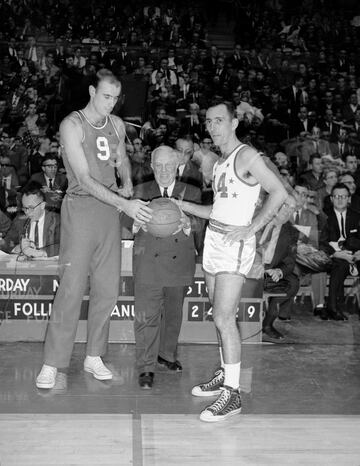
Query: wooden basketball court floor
{"points": [[301, 406]]}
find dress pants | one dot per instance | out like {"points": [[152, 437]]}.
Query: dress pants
{"points": [[282, 305], [158, 317], [90, 249], [340, 269]]}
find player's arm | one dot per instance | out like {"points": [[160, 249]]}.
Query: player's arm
{"points": [[272, 185], [202, 211], [71, 135], [122, 162]]}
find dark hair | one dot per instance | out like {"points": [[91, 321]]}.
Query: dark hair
{"points": [[49, 156], [316, 155], [229, 107], [33, 187], [340, 186]]}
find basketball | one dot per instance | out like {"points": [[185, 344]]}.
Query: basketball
{"points": [[165, 218]]}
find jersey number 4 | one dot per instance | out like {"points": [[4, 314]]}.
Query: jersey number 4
{"points": [[221, 186], [103, 146]]}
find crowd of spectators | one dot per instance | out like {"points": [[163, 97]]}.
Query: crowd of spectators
{"points": [[293, 75]]}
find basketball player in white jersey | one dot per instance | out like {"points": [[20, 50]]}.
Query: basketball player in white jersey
{"points": [[92, 147], [229, 248]]}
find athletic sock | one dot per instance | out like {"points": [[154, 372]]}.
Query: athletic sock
{"points": [[222, 363], [232, 375]]}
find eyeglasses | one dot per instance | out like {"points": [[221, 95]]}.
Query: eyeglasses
{"points": [[31, 208], [5, 165], [340, 196], [50, 166]]}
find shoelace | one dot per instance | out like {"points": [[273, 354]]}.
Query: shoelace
{"points": [[218, 377], [221, 402]]}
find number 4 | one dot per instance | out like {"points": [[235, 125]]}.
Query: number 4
{"points": [[221, 186]]}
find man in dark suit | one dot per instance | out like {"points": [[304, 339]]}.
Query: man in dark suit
{"points": [[53, 184], [188, 170], [301, 123], [162, 268], [279, 241], [340, 239], [36, 234], [313, 177]]}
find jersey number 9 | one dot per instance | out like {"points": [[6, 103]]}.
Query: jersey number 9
{"points": [[103, 147]]}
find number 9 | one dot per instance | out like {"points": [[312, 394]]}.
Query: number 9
{"points": [[251, 311], [103, 146]]}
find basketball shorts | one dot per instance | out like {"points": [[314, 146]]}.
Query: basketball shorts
{"points": [[219, 258]]}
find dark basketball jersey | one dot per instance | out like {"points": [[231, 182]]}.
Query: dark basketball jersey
{"points": [[99, 144]]}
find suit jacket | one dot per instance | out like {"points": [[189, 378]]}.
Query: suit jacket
{"points": [[60, 180], [191, 175], [285, 251], [51, 233], [168, 261], [53, 198], [331, 230], [335, 150], [309, 219], [309, 179], [297, 126]]}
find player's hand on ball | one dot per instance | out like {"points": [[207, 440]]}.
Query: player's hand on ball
{"points": [[137, 226], [138, 210], [237, 234], [184, 224]]}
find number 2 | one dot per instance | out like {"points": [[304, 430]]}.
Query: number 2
{"points": [[103, 146]]}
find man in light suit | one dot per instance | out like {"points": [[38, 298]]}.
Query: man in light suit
{"points": [[36, 234], [162, 268]]}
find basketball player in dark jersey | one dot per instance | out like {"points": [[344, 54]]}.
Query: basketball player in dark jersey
{"points": [[92, 148]]}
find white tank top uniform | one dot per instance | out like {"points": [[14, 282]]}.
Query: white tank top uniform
{"points": [[234, 205]]}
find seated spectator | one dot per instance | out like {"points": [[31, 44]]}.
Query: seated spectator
{"points": [[309, 260], [191, 124], [141, 170], [349, 181], [36, 234], [169, 75], [53, 184], [205, 158], [31, 119], [352, 167], [36, 158], [340, 147], [9, 181], [281, 160], [330, 178], [279, 253], [340, 239], [188, 171], [18, 155], [313, 177]]}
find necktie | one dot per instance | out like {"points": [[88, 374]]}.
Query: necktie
{"points": [[165, 194], [36, 234], [297, 218], [342, 225], [51, 184]]}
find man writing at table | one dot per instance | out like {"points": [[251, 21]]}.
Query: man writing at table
{"points": [[36, 232]]}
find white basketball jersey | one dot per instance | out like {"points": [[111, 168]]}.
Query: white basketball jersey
{"points": [[234, 198]]}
